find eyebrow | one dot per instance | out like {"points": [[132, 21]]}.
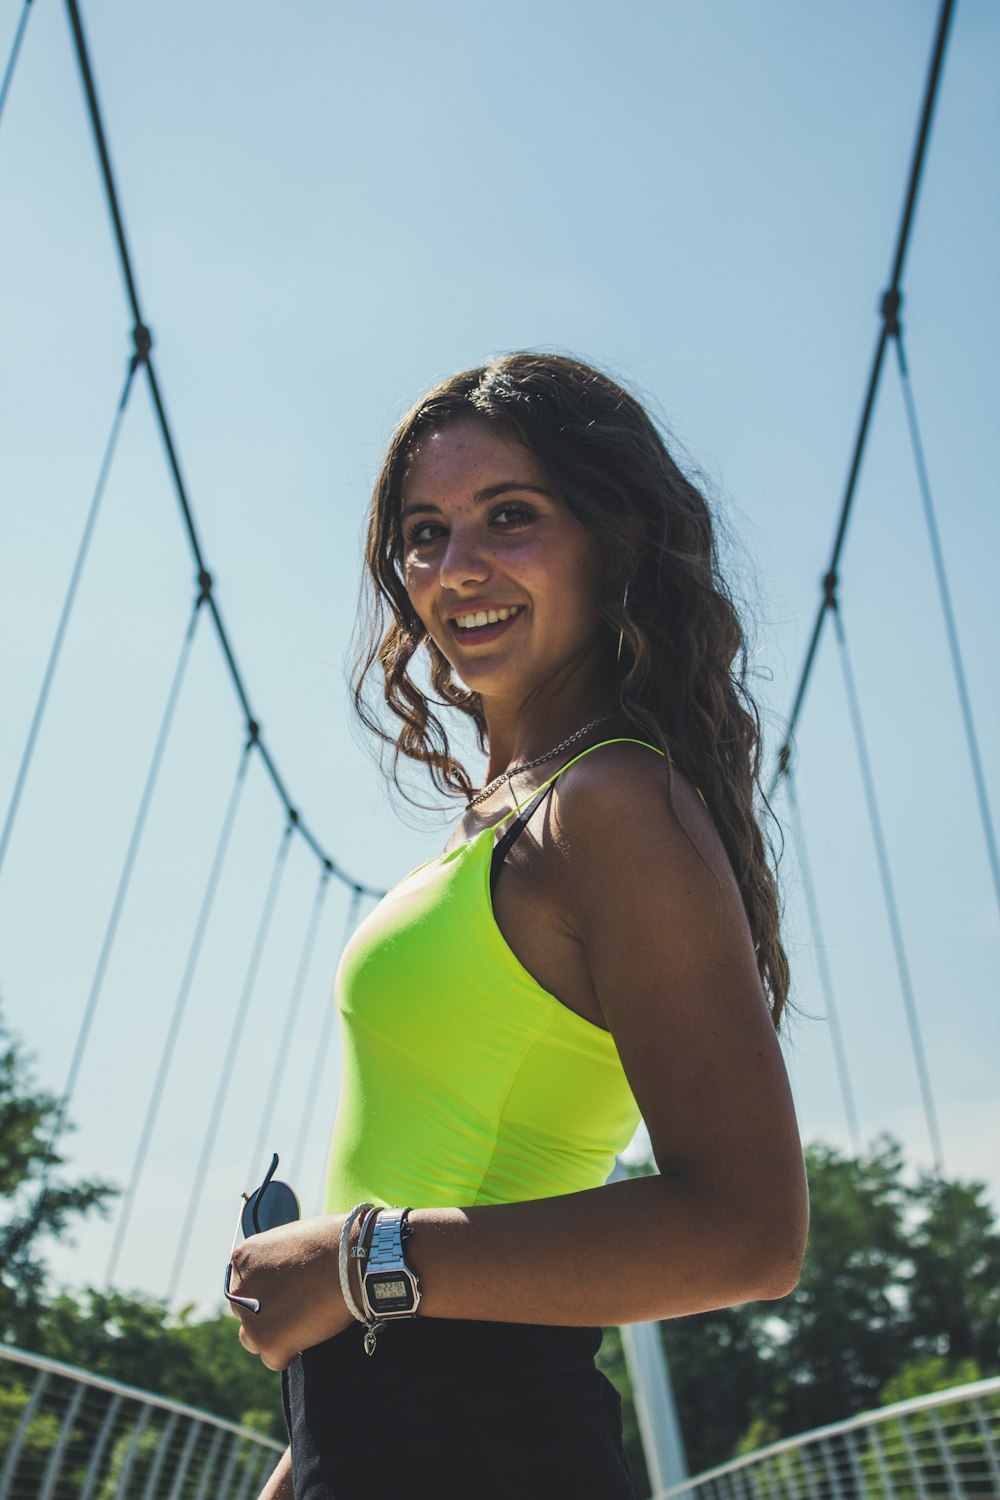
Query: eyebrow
{"points": [[490, 492]]}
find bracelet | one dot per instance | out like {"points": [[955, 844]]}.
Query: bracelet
{"points": [[373, 1324], [360, 1251], [345, 1238]]}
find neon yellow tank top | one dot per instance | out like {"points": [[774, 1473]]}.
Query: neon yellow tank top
{"points": [[462, 1080]]}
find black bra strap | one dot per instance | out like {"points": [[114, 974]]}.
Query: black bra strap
{"points": [[517, 827]]}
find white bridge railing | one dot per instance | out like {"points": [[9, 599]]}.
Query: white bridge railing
{"points": [[69, 1435], [945, 1446]]}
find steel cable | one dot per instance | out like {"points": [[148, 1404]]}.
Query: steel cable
{"points": [[949, 616], [291, 1016], [117, 906], [892, 912], [229, 1061], [180, 1005], [142, 332], [825, 976], [68, 602], [323, 1045], [22, 26], [890, 306]]}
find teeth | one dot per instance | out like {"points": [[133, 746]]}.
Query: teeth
{"points": [[482, 617]]}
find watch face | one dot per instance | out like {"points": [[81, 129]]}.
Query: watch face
{"points": [[389, 1292]]}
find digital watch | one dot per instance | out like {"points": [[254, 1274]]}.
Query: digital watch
{"points": [[389, 1288]]}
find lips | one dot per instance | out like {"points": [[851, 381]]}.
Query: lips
{"points": [[480, 626], [485, 614]]}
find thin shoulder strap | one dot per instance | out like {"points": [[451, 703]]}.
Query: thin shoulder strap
{"points": [[525, 811], [621, 740], [520, 823]]}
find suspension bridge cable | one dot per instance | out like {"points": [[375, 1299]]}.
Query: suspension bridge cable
{"points": [[323, 1047], [173, 1031], [822, 963], [889, 308], [125, 260], [229, 1061], [120, 895], [902, 964], [22, 27], [291, 1016], [949, 614], [67, 608]]}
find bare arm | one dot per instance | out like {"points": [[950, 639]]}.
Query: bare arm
{"points": [[660, 920], [279, 1486], [652, 899]]}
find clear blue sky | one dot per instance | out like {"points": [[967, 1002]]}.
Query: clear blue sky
{"points": [[328, 209]]}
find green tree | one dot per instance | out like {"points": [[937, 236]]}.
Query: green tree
{"points": [[135, 1340], [232, 1383], [35, 1202], [898, 1279], [40, 1436], [844, 1329], [929, 1372], [926, 1373], [720, 1370], [954, 1292]]}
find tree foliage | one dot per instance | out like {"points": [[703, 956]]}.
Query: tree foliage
{"points": [[35, 1202], [901, 1282], [136, 1340], [126, 1337]]}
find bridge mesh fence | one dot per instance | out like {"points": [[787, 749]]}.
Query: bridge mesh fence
{"points": [[945, 1446], [69, 1435]]}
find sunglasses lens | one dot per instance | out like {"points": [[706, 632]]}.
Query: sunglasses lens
{"points": [[274, 1204]]}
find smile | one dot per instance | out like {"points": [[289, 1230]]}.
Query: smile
{"points": [[475, 620], [480, 627]]}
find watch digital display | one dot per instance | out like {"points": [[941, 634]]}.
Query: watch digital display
{"points": [[385, 1290], [388, 1292]]}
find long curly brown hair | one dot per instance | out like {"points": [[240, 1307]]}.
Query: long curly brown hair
{"points": [[683, 666]]}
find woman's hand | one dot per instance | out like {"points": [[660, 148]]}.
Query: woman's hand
{"points": [[293, 1273]]}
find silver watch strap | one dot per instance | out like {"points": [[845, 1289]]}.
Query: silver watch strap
{"points": [[386, 1249], [385, 1254]]}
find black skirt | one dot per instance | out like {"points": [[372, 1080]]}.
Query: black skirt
{"points": [[456, 1409]]}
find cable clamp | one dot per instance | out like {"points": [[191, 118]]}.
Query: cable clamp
{"points": [[830, 581], [253, 731], [143, 340], [892, 301]]}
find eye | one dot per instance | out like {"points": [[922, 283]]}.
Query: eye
{"points": [[513, 514], [422, 533]]}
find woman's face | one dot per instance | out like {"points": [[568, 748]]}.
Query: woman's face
{"points": [[502, 576]]}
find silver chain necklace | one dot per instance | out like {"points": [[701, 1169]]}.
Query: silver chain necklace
{"points": [[549, 754]]}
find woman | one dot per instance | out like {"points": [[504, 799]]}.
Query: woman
{"points": [[513, 1006]]}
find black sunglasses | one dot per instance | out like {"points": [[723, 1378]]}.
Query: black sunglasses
{"points": [[273, 1203]]}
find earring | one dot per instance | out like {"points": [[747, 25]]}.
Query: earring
{"points": [[621, 633]]}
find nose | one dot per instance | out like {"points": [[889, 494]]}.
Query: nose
{"points": [[464, 561]]}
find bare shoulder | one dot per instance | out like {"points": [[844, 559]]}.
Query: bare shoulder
{"points": [[612, 818]]}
